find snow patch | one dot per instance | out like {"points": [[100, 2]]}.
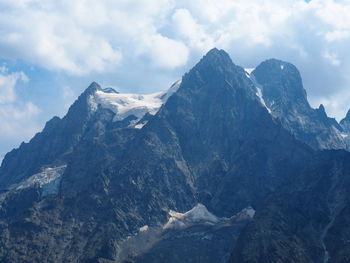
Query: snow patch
{"points": [[259, 92], [260, 96], [249, 70], [48, 180], [92, 103], [140, 125], [245, 214], [344, 135], [124, 105], [198, 214], [144, 228]]}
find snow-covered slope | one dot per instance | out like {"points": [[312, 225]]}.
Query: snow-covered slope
{"points": [[124, 105], [259, 94], [200, 215]]}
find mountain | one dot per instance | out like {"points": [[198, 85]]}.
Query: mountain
{"points": [[53, 146], [168, 176], [284, 96]]}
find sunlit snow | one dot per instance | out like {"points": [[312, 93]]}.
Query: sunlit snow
{"points": [[144, 228], [200, 215], [124, 105], [344, 135]]}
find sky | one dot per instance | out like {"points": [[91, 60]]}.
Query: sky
{"points": [[51, 50]]}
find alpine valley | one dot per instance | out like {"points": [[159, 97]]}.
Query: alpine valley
{"points": [[228, 165]]}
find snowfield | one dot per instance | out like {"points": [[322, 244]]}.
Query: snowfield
{"points": [[124, 105], [200, 215]]}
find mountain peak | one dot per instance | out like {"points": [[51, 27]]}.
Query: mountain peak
{"points": [[345, 122], [216, 57], [93, 87], [347, 117], [322, 110], [281, 81], [216, 52], [279, 66]]}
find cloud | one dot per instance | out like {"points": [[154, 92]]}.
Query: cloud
{"points": [[16, 116], [144, 40], [17, 120], [187, 27], [8, 83], [84, 36], [165, 52]]}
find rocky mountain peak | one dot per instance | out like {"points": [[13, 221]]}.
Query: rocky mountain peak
{"points": [[321, 111], [216, 57], [214, 72], [93, 87], [216, 61], [347, 117], [345, 123], [281, 82]]}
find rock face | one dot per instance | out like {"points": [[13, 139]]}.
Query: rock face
{"points": [[306, 220], [284, 95], [79, 190]]}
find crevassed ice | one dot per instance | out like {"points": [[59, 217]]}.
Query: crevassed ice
{"points": [[48, 179], [124, 105]]}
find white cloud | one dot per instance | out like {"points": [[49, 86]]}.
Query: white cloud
{"points": [[8, 83], [16, 116], [160, 37], [186, 26], [17, 120], [164, 52], [86, 36]]}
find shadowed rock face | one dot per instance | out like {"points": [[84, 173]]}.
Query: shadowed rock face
{"points": [[285, 96], [306, 220], [212, 142]]}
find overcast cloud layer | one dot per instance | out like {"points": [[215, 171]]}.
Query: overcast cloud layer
{"points": [[52, 49]]}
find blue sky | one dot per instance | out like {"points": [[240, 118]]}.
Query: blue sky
{"points": [[50, 50]]}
